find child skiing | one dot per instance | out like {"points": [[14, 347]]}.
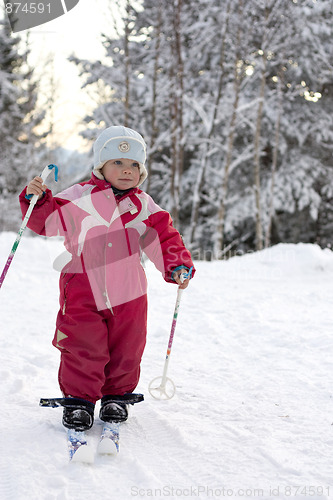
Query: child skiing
{"points": [[106, 222]]}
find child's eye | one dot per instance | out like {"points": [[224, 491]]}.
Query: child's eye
{"points": [[118, 162], [136, 165]]}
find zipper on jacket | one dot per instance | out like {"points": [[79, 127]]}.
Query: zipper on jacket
{"points": [[107, 302], [65, 298]]}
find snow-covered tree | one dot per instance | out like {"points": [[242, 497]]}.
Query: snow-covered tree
{"points": [[234, 100], [18, 118], [287, 78]]}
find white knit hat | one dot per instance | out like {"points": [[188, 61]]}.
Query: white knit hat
{"points": [[119, 142]]}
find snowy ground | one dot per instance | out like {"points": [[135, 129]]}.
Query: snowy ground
{"points": [[252, 363]]}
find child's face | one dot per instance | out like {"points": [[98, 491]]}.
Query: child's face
{"points": [[122, 173]]}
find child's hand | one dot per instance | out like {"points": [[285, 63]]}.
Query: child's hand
{"points": [[177, 279], [36, 186]]}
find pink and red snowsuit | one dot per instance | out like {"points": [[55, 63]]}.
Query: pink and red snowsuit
{"points": [[102, 322]]}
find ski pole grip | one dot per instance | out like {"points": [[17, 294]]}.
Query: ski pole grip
{"points": [[44, 175]]}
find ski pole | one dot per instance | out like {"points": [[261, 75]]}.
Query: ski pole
{"points": [[163, 387], [33, 201]]}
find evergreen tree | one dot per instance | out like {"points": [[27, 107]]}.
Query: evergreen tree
{"points": [[18, 118], [234, 100]]}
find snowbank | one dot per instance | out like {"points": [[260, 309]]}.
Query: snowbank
{"points": [[251, 360]]}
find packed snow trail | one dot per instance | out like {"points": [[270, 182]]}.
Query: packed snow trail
{"points": [[251, 360]]}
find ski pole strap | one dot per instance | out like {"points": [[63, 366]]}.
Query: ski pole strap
{"points": [[44, 175], [56, 170], [187, 275], [29, 196]]}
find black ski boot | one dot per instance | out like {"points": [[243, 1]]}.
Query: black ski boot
{"points": [[78, 415], [112, 411]]}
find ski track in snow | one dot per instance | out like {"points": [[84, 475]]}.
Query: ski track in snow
{"points": [[251, 360]]}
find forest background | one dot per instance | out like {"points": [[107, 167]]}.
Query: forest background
{"points": [[234, 100]]}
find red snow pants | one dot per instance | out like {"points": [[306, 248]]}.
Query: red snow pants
{"points": [[101, 351]]}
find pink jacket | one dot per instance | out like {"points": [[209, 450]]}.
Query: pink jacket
{"points": [[105, 236]]}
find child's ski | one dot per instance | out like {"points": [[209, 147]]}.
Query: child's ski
{"points": [[78, 448], [80, 451], [109, 443]]}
